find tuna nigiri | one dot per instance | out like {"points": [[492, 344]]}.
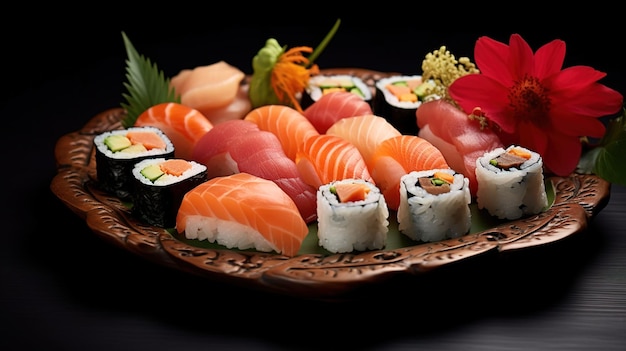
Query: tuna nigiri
{"points": [[365, 132], [334, 106], [326, 158], [400, 155], [460, 139], [183, 125], [212, 149], [290, 126], [242, 211], [239, 146]]}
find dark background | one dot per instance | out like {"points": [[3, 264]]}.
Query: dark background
{"points": [[64, 288], [56, 43]]}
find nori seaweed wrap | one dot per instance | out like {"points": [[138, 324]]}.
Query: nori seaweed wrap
{"points": [[159, 191], [116, 155]]}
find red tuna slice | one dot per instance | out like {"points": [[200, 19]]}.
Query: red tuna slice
{"points": [[459, 138], [216, 141], [332, 107]]}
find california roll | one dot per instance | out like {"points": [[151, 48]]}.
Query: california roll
{"points": [[160, 185], [352, 215], [510, 182], [434, 205], [321, 85], [117, 152], [397, 99]]}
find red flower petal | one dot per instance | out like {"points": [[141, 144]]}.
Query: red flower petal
{"points": [[521, 60], [532, 137], [562, 155], [573, 78], [477, 90], [596, 100], [571, 124], [549, 59], [492, 59]]}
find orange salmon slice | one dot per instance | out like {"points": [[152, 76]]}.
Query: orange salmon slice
{"points": [[150, 140]]}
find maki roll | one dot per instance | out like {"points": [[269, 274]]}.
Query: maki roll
{"points": [[321, 85], [160, 185], [397, 99], [118, 151], [434, 205], [352, 215], [510, 182]]}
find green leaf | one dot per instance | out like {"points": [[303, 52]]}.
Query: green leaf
{"points": [[610, 162], [146, 85]]}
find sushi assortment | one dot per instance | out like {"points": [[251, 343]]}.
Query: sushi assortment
{"points": [[305, 165], [260, 179]]}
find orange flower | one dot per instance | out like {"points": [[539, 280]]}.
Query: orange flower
{"points": [[281, 75], [290, 75], [534, 102]]}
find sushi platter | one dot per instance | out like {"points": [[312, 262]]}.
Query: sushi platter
{"points": [[313, 272]]}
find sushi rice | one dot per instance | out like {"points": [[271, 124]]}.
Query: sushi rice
{"points": [[357, 225], [512, 193], [427, 217], [102, 147]]}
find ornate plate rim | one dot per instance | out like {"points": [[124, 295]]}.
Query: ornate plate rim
{"points": [[578, 198]]}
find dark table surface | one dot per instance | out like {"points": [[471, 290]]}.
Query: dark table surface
{"points": [[63, 288]]}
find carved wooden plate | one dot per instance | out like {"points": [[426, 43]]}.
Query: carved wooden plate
{"points": [[577, 199]]}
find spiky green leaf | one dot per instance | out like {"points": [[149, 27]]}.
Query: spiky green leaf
{"points": [[146, 85]]}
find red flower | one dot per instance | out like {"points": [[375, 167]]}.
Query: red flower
{"points": [[534, 102]]}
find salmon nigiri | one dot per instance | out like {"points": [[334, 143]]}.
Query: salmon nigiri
{"points": [[331, 107], [365, 132], [401, 155], [326, 158], [460, 139], [242, 211], [290, 126], [183, 125]]}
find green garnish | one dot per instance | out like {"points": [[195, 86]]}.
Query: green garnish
{"points": [[280, 74], [607, 159], [146, 85], [493, 162]]}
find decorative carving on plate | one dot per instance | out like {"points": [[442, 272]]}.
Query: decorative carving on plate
{"points": [[577, 199]]}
